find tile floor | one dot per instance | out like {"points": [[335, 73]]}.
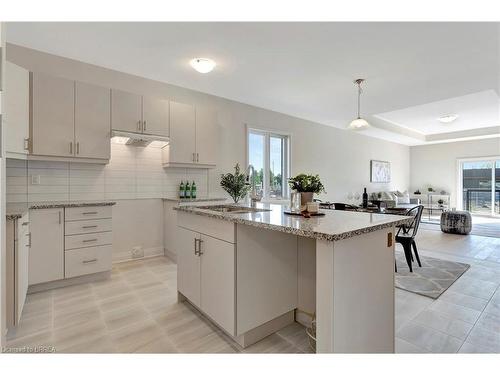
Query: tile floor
{"points": [[136, 310]]}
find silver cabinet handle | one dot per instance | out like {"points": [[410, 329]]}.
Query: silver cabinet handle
{"points": [[59, 217], [26, 144], [91, 240], [197, 157], [89, 261], [195, 246], [138, 125], [144, 126], [90, 213], [71, 148], [200, 253], [77, 148], [29, 239], [89, 226]]}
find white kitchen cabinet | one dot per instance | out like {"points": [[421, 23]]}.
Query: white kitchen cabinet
{"points": [[188, 266], [53, 110], [139, 114], [206, 136], [18, 243], [182, 147], [218, 281], [193, 137], [126, 111], [17, 108], [155, 116], [46, 258], [92, 121]]}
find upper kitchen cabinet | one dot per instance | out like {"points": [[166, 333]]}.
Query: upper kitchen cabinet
{"points": [[155, 116], [69, 120], [206, 136], [193, 137], [139, 114], [17, 110], [126, 111], [92, 121], [52, 115]]}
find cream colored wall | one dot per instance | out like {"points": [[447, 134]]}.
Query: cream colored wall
{"points": [[436, 165], [342, 158]]}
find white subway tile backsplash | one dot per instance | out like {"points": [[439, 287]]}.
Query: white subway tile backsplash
{"points": [[132, 173]]}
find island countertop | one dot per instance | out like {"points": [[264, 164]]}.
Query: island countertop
{"points": [[335, 225]]}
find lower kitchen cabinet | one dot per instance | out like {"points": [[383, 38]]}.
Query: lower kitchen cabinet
{"points": [[188, 266], [217, 281], [46, 258], [206, 275]]}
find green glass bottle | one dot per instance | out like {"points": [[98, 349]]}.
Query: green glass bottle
{"points": [[182, 190], [187, 188], [193, 190]]}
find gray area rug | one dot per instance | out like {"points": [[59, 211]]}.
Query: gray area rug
{"points": [[430, 280]]}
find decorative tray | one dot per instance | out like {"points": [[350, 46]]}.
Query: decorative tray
{"points": [[288, 212]]}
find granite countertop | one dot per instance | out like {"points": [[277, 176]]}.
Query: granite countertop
{"points": [[16, 210], [333, 226], [199, 199]]}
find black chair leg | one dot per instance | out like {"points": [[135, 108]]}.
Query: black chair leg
{"points": [[414, 245], [407, 249], [395, 266]]}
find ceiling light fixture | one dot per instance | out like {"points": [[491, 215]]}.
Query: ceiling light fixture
{"points": [[202, 64], [447, 118], [359, 123]]}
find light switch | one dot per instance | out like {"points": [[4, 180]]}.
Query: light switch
{"points": [[35, 179]]}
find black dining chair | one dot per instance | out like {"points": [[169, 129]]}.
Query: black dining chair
{"points": [[406, 236]]}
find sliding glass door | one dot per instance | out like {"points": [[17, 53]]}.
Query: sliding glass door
{"points": [[480, 180]]}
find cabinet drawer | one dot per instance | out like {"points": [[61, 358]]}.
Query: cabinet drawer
{"points": [[88, 226], [90, 212], [77, 241], [88, 260]]}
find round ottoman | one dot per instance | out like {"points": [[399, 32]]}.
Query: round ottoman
{"points": [[457, 222]]}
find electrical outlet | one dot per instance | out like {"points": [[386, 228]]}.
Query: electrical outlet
{"points": [[35, 179], [137, 252]]}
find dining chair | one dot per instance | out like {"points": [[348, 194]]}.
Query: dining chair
{"points": [[406, 236]]}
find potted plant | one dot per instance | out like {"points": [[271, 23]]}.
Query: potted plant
{"points": [[306, 185], [440, 202], [235, 184], [430, 189]]}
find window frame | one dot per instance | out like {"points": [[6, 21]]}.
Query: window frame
{"points": [[286, 158]]}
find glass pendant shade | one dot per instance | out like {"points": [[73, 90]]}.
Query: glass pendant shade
{"points": [[359, 124]]}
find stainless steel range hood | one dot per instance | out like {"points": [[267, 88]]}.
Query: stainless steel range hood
{"points": [[138, 139]]}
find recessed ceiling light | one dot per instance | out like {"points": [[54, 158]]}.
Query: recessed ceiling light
{"points": [[202, 64], [447, 119]]}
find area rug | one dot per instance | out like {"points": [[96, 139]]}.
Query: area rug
{"points": [[430, 280]]}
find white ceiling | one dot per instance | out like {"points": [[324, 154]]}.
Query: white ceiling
{"points": [[413, 70]]}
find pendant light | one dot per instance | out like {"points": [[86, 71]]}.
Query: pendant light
{"points": [[359, 123]]}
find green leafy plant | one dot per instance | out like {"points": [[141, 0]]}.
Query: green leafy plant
{"points": [[306, 183], [235, 184]]}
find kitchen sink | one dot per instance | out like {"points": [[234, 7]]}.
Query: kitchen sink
{"points": [[233, 209]]}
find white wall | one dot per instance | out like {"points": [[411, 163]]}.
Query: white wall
{"points": [[436, 165], [342, 158]]}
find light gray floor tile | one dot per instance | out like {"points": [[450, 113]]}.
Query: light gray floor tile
{"points": [[429, 339], [443, 323], [455, 311]]}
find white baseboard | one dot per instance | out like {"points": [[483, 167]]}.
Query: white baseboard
{"points": [[171, 255], [148, 253]]}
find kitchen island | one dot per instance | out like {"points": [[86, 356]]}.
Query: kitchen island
{"points": [[252, 271]]}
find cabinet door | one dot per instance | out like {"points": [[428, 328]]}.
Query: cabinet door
{"points": [[155, 116], [22, 263], [46, 258], [182, 133], [217, 281], [52, 115], [206, 135], [92, 121], [126, 111], [17, 110], [188, 265]]}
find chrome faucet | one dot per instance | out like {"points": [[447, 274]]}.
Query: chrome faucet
{"points": [[253, 193]]}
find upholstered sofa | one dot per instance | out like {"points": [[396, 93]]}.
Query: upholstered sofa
{"points": [[394, 198]]}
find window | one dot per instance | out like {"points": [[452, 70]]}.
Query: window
{"points": [[269, 154]]}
